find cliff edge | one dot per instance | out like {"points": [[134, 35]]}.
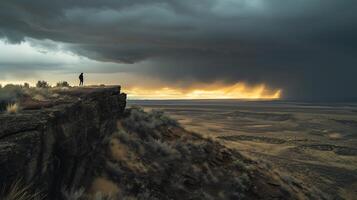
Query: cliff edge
{"points": [[52, 145]]}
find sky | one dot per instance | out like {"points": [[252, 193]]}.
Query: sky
{"points": [[289, 49]]}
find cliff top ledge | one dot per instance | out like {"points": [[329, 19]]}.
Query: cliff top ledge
{"points": [[35, 99], [37, 106], [54, 127]]}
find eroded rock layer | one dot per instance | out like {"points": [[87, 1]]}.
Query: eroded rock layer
{"points": [[58, 145]]}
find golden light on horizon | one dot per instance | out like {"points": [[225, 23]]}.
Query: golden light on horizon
{"points": [[214, 91]]}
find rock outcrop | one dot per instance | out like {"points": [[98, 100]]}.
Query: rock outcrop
{"points": [[58, 145]]}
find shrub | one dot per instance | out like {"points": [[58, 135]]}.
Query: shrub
{"points": [[9, 94], [145, 123], [26, 85], [62, 84], [243, 182], [162, 118], [11, 91], [42, 84], [163, 148]]}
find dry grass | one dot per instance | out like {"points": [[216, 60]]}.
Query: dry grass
{"points": [[103, 187], [12, 108], [72, 194], [335, 136], [121, 152], [118, 151], [19, 191], [39, 97]]}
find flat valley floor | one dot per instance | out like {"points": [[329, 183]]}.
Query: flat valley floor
{"points": [[314, 143]]}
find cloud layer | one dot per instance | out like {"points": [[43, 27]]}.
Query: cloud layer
{"points": [[305, 47]]}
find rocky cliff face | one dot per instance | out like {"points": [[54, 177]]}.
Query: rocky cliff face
{"points": [[58, 145]]}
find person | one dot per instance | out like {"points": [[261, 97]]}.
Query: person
{"points": [[81, 79]]}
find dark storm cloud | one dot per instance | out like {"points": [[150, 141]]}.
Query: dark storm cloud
{"points": [[306, 47]]}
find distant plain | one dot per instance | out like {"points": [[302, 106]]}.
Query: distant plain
{"points": [[315, 143]]}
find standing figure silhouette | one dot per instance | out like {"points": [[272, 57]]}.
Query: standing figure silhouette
{"points": [[81, 79]]}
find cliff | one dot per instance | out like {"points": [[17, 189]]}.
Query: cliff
{"points": [[82, 143], [56, 146]]}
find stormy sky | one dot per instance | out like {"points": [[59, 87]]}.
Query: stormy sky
{"points": [[307, 48]]}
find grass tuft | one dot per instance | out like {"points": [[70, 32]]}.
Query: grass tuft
{"points": [[73, 194], [12, 108], [19, 191]]}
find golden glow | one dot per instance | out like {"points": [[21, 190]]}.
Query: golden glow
{"points": [[214, 91]]}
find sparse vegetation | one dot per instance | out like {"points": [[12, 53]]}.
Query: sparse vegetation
{"points": [[26, 85], [62, 84], [42, 84], [11, 96], [147, 124], [162, 148], [183, 167]]}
